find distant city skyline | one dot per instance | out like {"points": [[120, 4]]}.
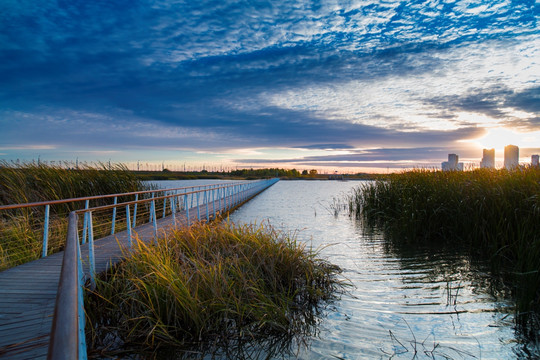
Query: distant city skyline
{"points": [[344, 86], [511, 160]]}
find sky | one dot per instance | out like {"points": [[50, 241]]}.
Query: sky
{"points": [[347, 86]]}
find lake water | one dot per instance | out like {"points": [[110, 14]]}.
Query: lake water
{"points": [[406, 302]]}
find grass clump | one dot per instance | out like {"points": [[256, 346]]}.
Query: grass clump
{"points": [[211, 284], [21, 230], [494, 214]]}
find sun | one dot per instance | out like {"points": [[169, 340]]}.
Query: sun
{"points": [[498, 138]]}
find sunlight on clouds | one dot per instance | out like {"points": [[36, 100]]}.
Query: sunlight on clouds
{"points": [[498, 138], [403, 103], [474, 118]]}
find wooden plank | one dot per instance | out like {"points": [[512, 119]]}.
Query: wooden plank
{"points": [[39, 325]]}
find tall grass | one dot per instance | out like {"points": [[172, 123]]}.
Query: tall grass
{"points": [[494, 214], [210, 284], [32, 182], [21, 230]]}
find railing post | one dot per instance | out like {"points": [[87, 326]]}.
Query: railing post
{"points": [[134, 222], [153, 215], [152, 209], [225, 194], [173, 209], [219, 199], [45, 232], [214, 202], [91, 256], [80, 302], [198, 209], [164, 205], [206, 198], [114, 215], [85, 222], [128, 225], [187, 209]]}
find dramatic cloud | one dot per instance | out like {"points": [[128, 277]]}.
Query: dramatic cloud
{"points": [[179, 79]]}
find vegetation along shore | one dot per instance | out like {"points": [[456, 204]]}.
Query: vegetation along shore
{"points": [[21, 230], [493, 214]]}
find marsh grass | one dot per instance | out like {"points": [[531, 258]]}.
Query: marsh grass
{"points": [[211, 288], [493, 214], [21, 230]]}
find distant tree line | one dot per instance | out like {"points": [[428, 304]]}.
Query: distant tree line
{"points": [[261, 173]]}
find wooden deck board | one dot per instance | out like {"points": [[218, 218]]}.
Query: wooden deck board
{"points": [[28, 291]]}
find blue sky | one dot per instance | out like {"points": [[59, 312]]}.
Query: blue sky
{"points": [[345, 85]]}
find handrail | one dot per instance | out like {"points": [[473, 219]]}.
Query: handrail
{"points": [[86, 199], [95, 197], [111, 206], [66, 312]]}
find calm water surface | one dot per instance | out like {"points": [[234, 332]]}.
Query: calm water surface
{"points": [[406, 303]]}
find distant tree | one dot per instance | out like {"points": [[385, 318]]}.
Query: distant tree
{"points": [[305, 172], [312, 172]]}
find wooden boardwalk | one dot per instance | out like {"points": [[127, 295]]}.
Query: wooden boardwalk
{"points": [[28, 291]]}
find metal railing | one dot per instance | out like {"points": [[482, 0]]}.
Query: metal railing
{"points": [[67, 334], [45, 206]]}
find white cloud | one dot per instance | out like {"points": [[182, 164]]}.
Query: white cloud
{"points": [[399, 102]]}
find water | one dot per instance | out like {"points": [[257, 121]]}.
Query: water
{"points": [[406, 302]]}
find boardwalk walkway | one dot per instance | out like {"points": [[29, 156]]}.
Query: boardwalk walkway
{"points": [[28, 291]]}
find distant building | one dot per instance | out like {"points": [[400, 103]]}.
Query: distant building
{"points": [[452, 164], [511, 157], [534, 160], [488, 159]]}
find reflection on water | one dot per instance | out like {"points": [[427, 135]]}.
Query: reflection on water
{"points": [[406, 302]]}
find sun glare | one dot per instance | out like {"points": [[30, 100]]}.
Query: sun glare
{"points": [[498, 138]]}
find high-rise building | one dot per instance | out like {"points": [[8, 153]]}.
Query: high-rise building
{"points": [[452, 163], [488, 159], [534, 160], [511, 157]]}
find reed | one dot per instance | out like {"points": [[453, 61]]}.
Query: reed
{"points": [[210, 284], [31, 182], [21, 230], [494, 214]]}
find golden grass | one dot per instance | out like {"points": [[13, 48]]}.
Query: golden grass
{"points": [[211, 284]]}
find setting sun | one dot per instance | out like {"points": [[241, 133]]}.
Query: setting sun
{"points": [[498, 138]]}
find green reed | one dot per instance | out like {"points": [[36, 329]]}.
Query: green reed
{"points": [[21, 230], [210, 284], [494, 214]]}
